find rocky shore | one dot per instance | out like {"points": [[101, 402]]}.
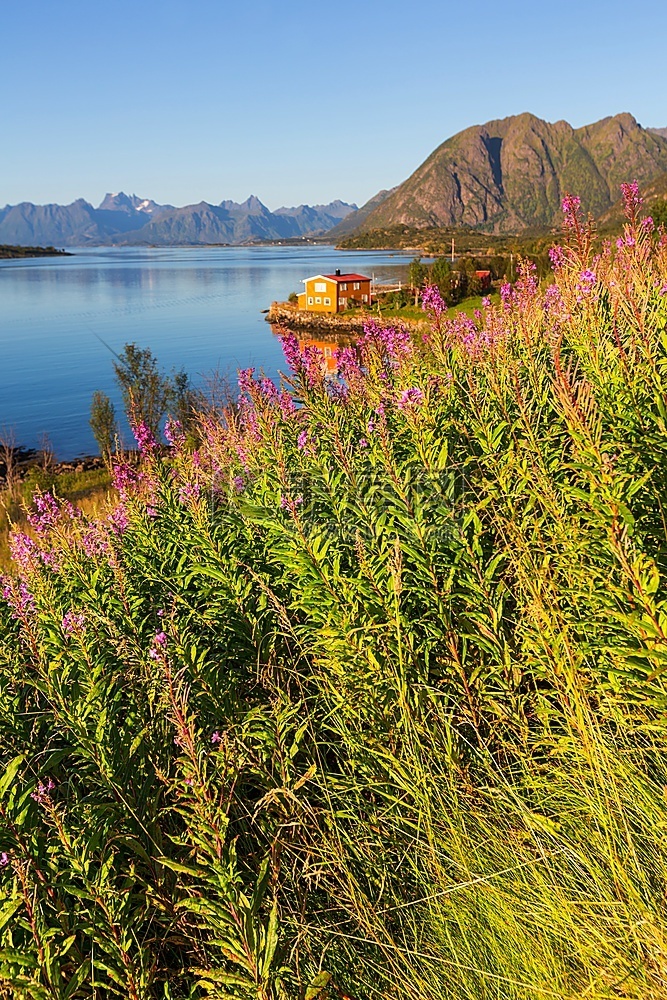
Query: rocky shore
{"points": [[287, 315], [22, 460]]}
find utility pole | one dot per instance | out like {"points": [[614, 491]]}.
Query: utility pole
{"points": [[452, 249]]}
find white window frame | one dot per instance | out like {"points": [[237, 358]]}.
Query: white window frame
{"points": [[320, 286], [343, 286], [327, 301], [318, 300], [310, 300], [356, 286]]}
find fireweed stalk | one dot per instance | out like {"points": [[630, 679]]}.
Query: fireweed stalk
{"points": [[362, 695]]}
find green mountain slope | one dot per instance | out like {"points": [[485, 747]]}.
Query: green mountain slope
{"points": [[510, 175]]}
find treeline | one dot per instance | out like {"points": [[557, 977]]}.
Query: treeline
{"points": [[7, 252]]}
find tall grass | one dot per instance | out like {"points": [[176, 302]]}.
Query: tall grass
{"points": [[363, 697]]}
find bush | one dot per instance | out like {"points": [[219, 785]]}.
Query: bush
{"points": [[366, 696]]}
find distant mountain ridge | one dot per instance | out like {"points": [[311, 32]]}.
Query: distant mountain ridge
{"points": [[122, 219], [510, 175]]}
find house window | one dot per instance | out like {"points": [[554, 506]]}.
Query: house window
{"points": [[327, 302], [320, 286], [356, 286], [310, 300], [342, 303], [343, 286], [318, 300], [364, 298]]}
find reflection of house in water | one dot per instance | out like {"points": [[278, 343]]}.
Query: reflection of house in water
{"points": [[328, 344]]}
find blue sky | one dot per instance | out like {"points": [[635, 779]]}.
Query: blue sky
{"points": [[296, 101]]}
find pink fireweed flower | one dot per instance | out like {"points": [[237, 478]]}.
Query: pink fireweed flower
{"points": [[73, 623], [571, 206], [47, 513], [286, 404], [362, 443], [305, 443], [632, 199], [339, 392], [246, 380], [24, 551], [18, 597], [144, 438], [506, 294], [527, 282], [249, 418], [238, 482], [125, 479], [292, 352], [410, 399], [118, 520], [432, 300], [4, 859], [395, 341], [289, 504], [174, 433], [189, 491], [585, 285], [42, 793], [314, 365], [216, 737], [158, 647], [557, 257], [648, 224], [269, 389]]}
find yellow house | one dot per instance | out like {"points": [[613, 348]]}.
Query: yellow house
{"points": [[332, 293]]}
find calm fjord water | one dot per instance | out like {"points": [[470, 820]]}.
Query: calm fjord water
{"points": [[196, 308]]}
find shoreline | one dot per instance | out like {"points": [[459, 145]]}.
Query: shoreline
{"points": [[10, 251], [285, 314]]}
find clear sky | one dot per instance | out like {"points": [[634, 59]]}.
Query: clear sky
{"points": [[293, 100]]}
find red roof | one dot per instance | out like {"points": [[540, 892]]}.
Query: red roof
{"points": [[346, 277]]}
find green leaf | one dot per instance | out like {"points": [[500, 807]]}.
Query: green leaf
{"points": [[319, 983], [10, 773]]}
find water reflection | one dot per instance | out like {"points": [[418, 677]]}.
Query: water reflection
{"points": [[328, 343]]}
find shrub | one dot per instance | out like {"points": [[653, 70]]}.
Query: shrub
{"points": [[366, 695]]}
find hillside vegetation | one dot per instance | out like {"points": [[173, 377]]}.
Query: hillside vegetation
{"points": [[364, 696], [510, 175]]}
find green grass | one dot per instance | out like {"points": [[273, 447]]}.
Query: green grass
{"points": [[390, 313]]}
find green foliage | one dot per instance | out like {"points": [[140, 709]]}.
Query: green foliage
{"points": [[103, 424], [417, 273], [658, 211], [146, 391], [366, 697]]}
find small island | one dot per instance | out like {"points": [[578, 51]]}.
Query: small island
{"points": [[7, 252]]}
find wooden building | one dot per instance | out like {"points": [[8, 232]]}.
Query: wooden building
{"points": [[333, 293], [484, 278]]}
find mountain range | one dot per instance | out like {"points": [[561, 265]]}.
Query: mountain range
{"points": [[122, 219], [510, 175]]}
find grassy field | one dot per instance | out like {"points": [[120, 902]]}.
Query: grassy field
{"points": [[467, 307], [362, 693]]}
